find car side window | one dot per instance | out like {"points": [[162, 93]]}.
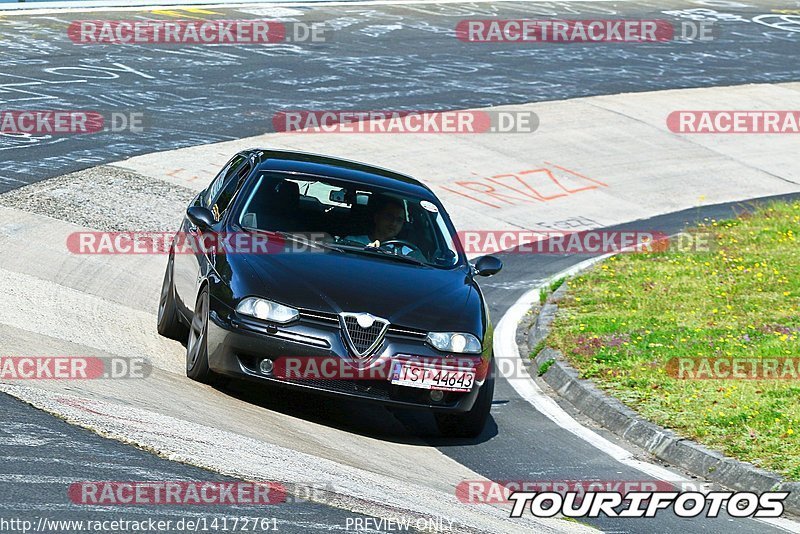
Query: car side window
{"points": [[219, 196], [227, 172]]}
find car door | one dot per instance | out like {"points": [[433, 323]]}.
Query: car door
{"points": [[191, 266]]}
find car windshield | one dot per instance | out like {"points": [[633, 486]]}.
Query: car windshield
{"points": [[353, 218]]}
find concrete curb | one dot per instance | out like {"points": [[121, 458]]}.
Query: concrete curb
{"points": [[662, 443]]}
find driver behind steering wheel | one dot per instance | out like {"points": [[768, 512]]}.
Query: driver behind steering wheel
{"points": [[388, 218]]}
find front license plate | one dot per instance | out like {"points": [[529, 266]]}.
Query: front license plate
{"points": [[419, 376]]}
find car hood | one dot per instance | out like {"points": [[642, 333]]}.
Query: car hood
{"points": [[429, 299]]}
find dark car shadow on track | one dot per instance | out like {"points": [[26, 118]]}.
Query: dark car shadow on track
{"points": [[409, 427], [425, 429]]}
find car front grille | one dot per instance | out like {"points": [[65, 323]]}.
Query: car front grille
{"points": [[363, 338], [332, 319]]}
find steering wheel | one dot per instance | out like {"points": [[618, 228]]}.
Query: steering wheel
{"points": [[401, 242]]}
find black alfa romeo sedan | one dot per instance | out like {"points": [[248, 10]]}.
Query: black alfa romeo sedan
{"points": [[334, 277]]}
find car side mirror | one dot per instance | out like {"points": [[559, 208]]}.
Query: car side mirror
{"points": [[487, 266], [201, 217]]}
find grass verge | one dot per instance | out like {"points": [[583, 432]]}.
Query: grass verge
{"points": [[622, 322]]}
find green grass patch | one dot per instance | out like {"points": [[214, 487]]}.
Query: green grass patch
{"points": [[537, 348], [622, 321], [549, 290], [545, 366], [555, 284]]}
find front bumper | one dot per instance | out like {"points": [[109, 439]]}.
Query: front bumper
{"points": [[237, 344]]}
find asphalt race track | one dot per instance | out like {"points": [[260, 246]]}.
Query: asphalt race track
{"points": [[361, 462], [369, 64], [41, 454]]}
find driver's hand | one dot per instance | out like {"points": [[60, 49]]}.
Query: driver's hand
{"points": [[375, 244]]}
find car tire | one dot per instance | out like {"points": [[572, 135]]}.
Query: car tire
{"points": [[168, 322], [197, 343], [471, 423]]}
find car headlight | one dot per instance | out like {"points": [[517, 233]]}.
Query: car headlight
{"points": [[454, 342], [266, 310]]}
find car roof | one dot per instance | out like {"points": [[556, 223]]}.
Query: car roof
{"points": [[337, 168]]}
